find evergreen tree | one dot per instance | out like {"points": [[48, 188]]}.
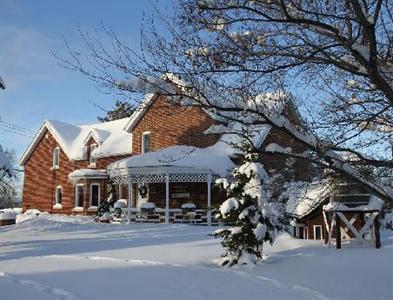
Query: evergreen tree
{"points": [[121, 110], [253, 218], [107, 204]]}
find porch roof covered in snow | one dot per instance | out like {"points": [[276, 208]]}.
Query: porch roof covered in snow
{"points": [[180, 163], [88, 174]]}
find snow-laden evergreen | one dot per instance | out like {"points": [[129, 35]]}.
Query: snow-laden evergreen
{"points": [[5, 163], [253, 217]]}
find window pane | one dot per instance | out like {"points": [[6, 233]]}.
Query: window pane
{"points": [[92, 158], [146, 142], [79, 196], [94, 195], [318, 233], [56, 153], [59, 195]]}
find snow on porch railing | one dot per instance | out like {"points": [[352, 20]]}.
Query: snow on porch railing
{"points": [[176, 215]]}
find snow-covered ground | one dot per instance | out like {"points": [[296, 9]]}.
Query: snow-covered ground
{"points": [[57, 257]]}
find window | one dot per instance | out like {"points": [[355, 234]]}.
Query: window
{"points": [[318, 232], [79, 195], [94, 195], [92, 159], [56, 158], [145, 142], [59, 195]]}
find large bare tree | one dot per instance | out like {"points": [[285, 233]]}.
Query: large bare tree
{"points": [[334, 57]]}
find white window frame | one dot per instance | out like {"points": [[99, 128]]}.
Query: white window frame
{"points": [[315, 230], [92, 160], [56, 151], [305, 232], [143, 141], [76, 195], [57, 204], [91, 194]]}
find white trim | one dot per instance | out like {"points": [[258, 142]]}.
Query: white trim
{"points": [[57, 204], [140, 111], [305, 232], [91, 194], [145, 133], [76, 196], [314, 231]]}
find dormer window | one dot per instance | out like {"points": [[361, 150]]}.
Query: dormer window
{"points": [[146, 142], [56, 158], [92, 159]]}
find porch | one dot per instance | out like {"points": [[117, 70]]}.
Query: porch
{"points": [[169, 193]]}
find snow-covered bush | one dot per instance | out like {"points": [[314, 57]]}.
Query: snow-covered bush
{"points": [[121, 203], [253, 218], [188, 207], [147, 206], [106, 217]]}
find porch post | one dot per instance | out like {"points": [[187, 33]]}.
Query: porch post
{"points": [[209, 200], [167, 198], [120, 191], [129, 200]]}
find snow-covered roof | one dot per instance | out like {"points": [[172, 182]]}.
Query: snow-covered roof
{"points": [[5, 163], [304, 197], [375, 203], [214, 159], [87, 173], [111, 137]]}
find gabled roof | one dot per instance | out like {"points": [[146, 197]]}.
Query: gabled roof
{"points": [[304, 197], [140, 111], [112, 138]]}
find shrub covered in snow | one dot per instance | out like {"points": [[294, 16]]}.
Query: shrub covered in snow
{"points": [[188, 207], [147, 206], [254, 219], [121, 203]]}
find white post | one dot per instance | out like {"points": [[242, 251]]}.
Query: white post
{"points": [[167, 198], [120, 191], [129, 200], [209, 200]]}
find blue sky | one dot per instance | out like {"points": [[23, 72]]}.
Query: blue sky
{"points": [[37, 87]]}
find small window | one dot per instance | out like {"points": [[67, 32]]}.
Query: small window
{"points": [[59, 195], [92, 159], [94, 195], [318, 232], [145, 142], [56, 158], [79, 195]]}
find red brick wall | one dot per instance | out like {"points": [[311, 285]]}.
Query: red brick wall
{"points": [[40, 181], [173, 125], [277, 162]]}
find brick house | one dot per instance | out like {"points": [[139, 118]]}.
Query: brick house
{"points": [[162, 150]]}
